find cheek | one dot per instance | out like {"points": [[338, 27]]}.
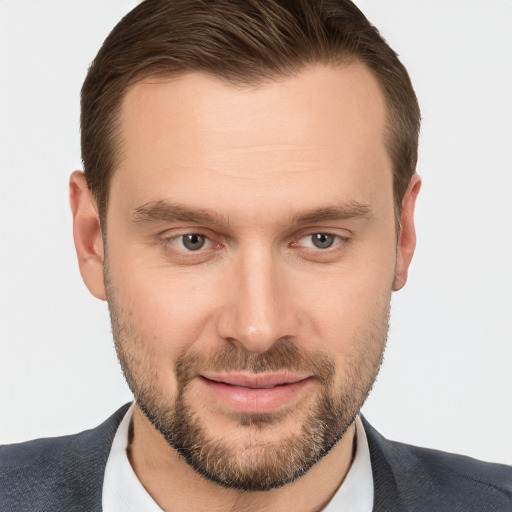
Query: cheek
{"points": [[350, 306], [170, 309]]}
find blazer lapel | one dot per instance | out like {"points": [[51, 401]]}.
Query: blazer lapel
{"points": [[89, 455], [63, 474], [387, 496]]}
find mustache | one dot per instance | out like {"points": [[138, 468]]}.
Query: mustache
{"points": [[284, 355]]}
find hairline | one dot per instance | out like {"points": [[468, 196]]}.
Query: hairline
{"points": [[260, 80]]}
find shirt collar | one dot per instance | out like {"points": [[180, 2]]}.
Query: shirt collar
{"points": [[356, 491], [123, 492]]}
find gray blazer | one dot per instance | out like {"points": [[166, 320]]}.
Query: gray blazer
{"points": [[65, 474]]}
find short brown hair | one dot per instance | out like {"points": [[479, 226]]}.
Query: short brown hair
{"points": [[243, 42]]}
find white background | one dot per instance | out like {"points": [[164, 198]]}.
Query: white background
{"points": [[447, 377]]}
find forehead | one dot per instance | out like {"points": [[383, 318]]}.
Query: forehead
{"points": [[277, 140]]}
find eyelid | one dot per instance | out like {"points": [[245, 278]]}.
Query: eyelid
{"points": [[169, 239], [179, 239], [341, 235], [335, 245]]}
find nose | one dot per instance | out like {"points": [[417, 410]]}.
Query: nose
{"points": [[259, 308]]}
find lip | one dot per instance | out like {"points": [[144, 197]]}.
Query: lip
{"points": [[256, 393]]}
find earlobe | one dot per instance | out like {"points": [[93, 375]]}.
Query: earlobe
{"points": [[407, 236], [87, 234]]}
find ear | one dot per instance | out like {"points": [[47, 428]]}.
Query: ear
{"points": [[407, 236], [87, 234]]}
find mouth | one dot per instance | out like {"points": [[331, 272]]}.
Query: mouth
{"points": [[256, 393]]}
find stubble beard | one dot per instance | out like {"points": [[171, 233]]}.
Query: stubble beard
{"points": [[258, 465]]}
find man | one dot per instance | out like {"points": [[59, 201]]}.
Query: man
{"points": [[246, 209]]}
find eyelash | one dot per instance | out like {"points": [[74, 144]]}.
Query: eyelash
{"points": [[178, 239], [338, 240], [175, 239]]}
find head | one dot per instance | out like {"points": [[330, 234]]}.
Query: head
{"points": [[244, 43], [247, 210]]}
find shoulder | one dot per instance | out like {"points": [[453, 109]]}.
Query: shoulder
{"points": [[437, 480], [62, 473]]}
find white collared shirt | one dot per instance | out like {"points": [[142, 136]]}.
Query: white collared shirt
{"points": [[123, 492], [356, 491]]}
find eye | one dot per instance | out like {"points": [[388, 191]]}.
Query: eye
{"points": [[189, 248], [191, 241], [322, 240], [319, 240]]}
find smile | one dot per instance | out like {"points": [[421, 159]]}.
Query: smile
{"points": [[256, 393]]}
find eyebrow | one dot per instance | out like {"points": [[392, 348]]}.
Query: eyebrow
{"points": [[349, 210], [163, 211]]}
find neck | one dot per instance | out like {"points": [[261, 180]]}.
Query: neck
{"points": [[174, 485]]}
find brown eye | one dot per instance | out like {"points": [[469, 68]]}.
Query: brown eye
{"points": [[322, 240], [193, 241]]}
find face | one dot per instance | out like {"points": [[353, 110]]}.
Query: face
{"points": [[251, 253]]}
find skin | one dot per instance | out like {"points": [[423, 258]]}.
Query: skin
{"points": [[257, 158]]}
